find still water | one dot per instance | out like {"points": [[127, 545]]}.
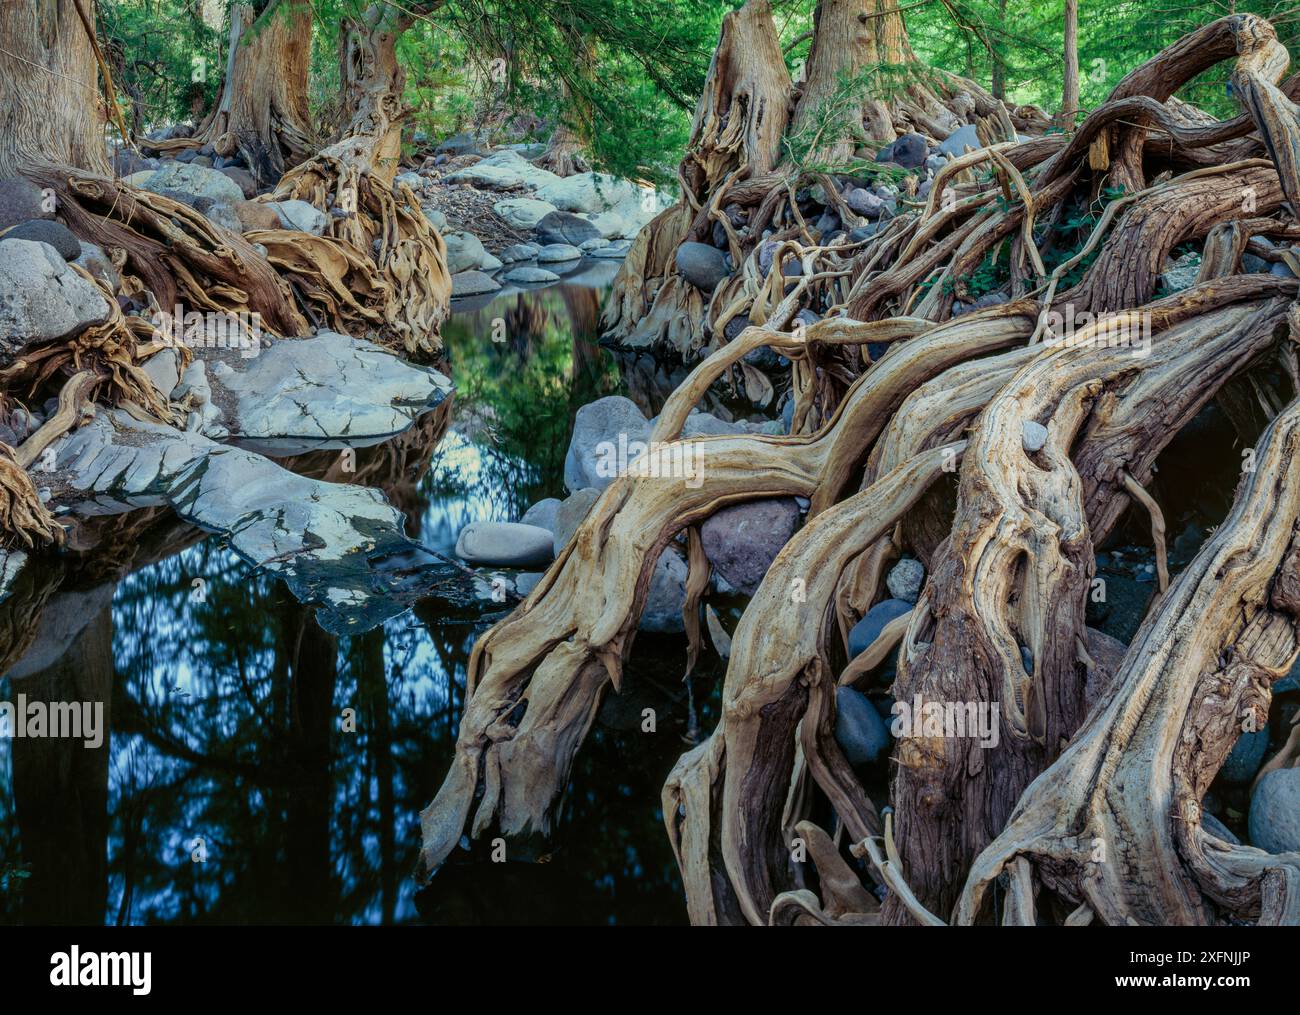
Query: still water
{"points": [[256, 769]]}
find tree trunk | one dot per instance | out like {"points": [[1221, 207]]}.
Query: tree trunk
{"points": [[262, 112], [50, 108], [1070, 92]]}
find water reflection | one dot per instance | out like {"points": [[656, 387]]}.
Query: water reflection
{"points": [[260, 770]]}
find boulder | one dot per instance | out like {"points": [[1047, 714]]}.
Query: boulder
{"points": [[219, 212], [519, 252], [435, 218], [507, 170], [255, 215], [327, 386], [589, 192], [457, 144], [1245, 758], [957, 142], [41, 298], [570, 514], [1274, 823], [472, 283], [1218, 829], [701, 265], [523, 213], [56, 234], [20, 201], [542, 514], [663, 606], [504, 544], [599, 428], [196, 181], [243, 179], [555, 252], [527, 274], [300, 215], [464, 251], [741, 541], [565, 227], [859, 729], [909, 151]]}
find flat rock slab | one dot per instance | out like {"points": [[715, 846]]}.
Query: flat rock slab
{"points": [[337, 546], [328, 387]]}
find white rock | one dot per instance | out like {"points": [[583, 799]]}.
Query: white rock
{"points": [[197, 181], [504, 544], [300, 215], [41, 298], [1033, 436], [523, 213]]}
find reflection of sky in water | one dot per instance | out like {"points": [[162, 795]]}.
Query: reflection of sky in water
{"points": [[226, 715]]}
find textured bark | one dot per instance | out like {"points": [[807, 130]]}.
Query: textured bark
{"points": [[51, 113], [262, 112]]}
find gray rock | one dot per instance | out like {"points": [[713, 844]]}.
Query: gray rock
{"points": [[329, 386], [570, 514], [556, 252], [221, 213], [196, 181], [413, 180], [1245, 758], [701, 265], [95, 261], [464, 251], [56, 234], [472, 283], [589, 192], [865, 203], [519, 252], [859, 729], [163, 370], [566, 227], [524, 213], [504, 544], [41, 298], [868, 629], [955, 144], [458, 144], [542, 514], [1218, 829], [595, 243], [1274, 823], [667, 595], [20, 201], [1033, 436], [300, 215], [905, 579], [1181, 274], [242, 178], [527, 274], [909, 151], [1281, 269], [435, 218], [526, 582], [320, 537], [741, 541], [599, 428], [616, 249]]}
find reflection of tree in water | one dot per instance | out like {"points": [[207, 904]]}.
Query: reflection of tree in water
{"points": [[516, 398]]}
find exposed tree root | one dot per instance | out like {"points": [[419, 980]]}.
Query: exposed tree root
{"points": [[1009, 558]]}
